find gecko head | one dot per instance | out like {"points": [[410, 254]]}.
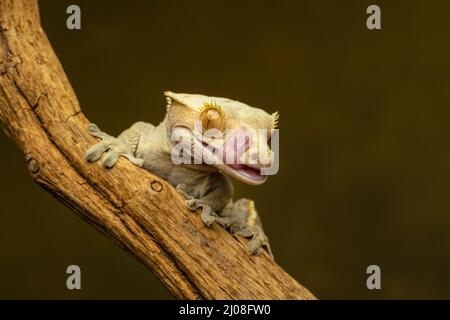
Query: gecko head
{"points": [[226, 134]]}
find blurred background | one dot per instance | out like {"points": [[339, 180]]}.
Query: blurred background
{"points": [[365, 138]]}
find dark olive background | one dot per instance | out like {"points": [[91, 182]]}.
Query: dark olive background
{"points": [[365, 138]]}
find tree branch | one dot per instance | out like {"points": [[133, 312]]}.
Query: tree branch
{"points": [[139, 211]]}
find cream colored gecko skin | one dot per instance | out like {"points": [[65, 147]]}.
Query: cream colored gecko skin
{"points": [[205, 185]]}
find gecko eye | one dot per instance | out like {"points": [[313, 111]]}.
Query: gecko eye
{"points": [[212, 117]]}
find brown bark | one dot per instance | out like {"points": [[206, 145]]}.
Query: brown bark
{"points": [[139, 211]]}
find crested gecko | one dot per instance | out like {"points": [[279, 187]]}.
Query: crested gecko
{"points": [[205, 183]]}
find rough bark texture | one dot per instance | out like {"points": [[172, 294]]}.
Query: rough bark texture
{"points": [[139, 211]]}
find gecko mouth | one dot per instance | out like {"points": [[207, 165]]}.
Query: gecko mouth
{"points": [[246, 173], [214, 153]]}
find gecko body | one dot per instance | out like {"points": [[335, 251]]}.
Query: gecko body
{"points": [[205, 183]]}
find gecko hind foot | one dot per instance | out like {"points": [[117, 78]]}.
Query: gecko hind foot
{"points": [[257, 243], [243, 220]]}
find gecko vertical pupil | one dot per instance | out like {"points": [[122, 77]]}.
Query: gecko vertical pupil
{"points": [[212, 118]]}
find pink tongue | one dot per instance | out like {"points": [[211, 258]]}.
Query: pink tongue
{"points": [[236, 144]]}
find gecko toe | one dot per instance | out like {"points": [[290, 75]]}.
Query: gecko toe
{"points": [[136, 161], [95, 152], [192, 204], [111, 159], [208, 220], [254, 247]]}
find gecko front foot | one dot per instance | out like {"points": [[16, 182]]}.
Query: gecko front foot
{"points": [[208, 216], [112, 147]]}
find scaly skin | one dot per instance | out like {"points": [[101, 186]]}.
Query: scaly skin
{"points": [[205, 186]]}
